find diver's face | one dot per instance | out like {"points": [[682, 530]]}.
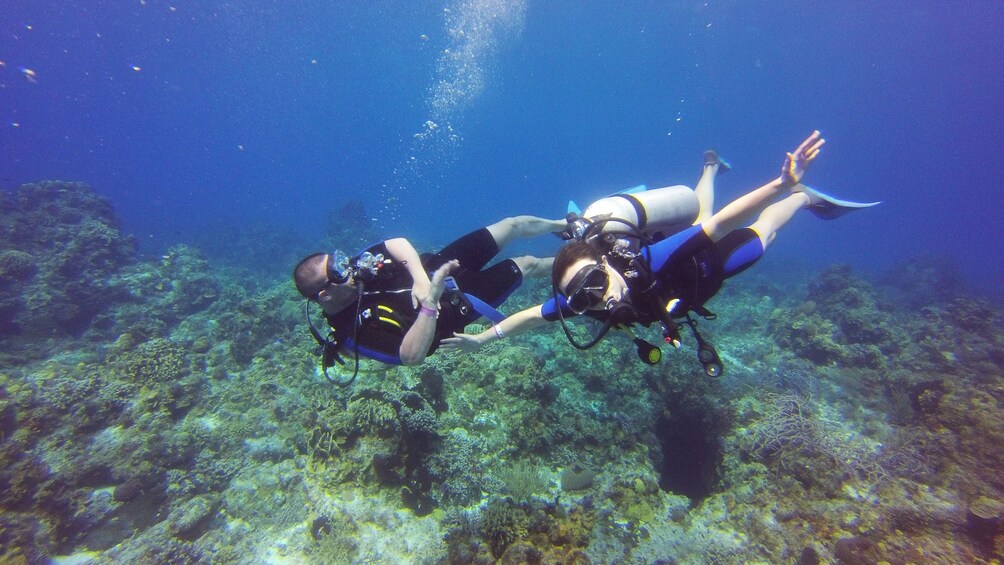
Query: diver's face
{"points": [[333, 297], [589, 285]]}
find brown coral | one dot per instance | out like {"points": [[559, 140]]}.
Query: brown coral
{"points": [[17, 265]]}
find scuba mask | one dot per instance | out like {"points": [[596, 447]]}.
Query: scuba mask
{"points": [[587, 288], [339, 268]]}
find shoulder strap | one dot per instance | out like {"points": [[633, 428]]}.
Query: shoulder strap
{"points": [[639, 208]]}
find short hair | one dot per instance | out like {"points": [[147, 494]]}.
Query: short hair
{"points": [[568, 256], [309, 275]]}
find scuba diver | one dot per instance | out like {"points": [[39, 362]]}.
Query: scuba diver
{"points": [[619, 275], [383, 304]]}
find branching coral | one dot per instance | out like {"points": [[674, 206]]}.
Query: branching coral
{"points": [[457, 466], [842, 322], [370, 415], [502, 523], [522, 479], [797, 439], [251, 323], [324, 444], [786, 426], [83, 390]]}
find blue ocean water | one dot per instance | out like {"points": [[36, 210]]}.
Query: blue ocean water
{"points": [[443, 116], [173, 409]]}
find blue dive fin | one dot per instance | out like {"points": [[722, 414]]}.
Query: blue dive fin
{"points": [[574, 208], [828, 208], [633, 189]]}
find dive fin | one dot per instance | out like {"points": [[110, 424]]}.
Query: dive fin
{"points": [[711, 157], [828, 208], [633, 189], [574, 208]]}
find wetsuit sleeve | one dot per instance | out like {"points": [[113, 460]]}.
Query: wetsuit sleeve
{"points": [[674, 246], [549, 309]]}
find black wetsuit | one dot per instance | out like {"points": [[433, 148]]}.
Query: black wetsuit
{"points": [[386, 311]]}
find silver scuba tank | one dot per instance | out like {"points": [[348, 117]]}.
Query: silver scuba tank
{"points": [[658, 212]]}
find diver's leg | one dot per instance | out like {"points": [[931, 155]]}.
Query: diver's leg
{"points": [[524, 227], [741, 209], [534, 267], [775, 216], [705, 191]]}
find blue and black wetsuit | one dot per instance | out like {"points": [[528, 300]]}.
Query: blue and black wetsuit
{"points": [[691, 267], [688, 266], [386, 311]]}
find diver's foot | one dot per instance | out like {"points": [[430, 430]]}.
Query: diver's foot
{"points": [[827, 207], [712, 158]]}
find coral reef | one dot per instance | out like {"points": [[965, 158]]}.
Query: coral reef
{"points": [[522, 480], [62, 251], [502, 523], [17, 266], [183, 419]]}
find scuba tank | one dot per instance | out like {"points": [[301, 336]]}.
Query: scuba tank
{"points": [[656, 213]]}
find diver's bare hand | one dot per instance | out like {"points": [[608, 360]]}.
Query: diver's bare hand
{"points": [[420, 291], [439, 283], [795, 164], [466, 343]]}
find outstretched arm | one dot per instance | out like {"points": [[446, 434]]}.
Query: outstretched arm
{"points": [[416, 343], [403, 252], [518, 323], [748, 205]]}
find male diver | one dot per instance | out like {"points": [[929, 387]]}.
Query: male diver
{"points": [[383, 304], [658, 281]]}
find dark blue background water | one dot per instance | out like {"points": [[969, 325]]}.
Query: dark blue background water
{"points": [[237, 112]]}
